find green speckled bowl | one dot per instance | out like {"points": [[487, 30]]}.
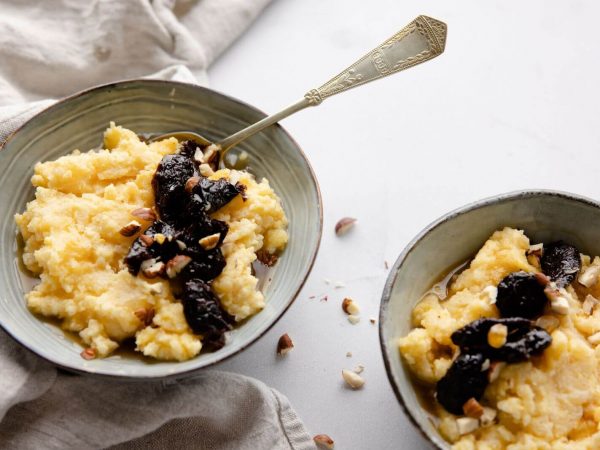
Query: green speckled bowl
{"points": [[149, 106], [452, 239]]}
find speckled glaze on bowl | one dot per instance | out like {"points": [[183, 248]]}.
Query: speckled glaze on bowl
{"points": [[452, 239], [151, 106]]}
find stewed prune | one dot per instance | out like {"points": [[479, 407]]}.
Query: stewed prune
{"points": [[561, 262], [169, 186], [209, 195], [520, 295], [464, 379], [204, 314], [188, 148], [143, 249], [206, 267], [522, 341]]}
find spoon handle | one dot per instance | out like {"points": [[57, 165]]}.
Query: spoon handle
{"points": [[421, 40]]}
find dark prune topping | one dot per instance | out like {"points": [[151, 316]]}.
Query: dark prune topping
{"points": [[561, 262], [206, 267], [209, 196], [192, 233], [520, 295], [140, 251], [169, 186], [464, 379], [204, 314], [523, 340]]}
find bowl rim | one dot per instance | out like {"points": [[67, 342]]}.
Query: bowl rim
{"points": [[392, 276], [182, 374]]}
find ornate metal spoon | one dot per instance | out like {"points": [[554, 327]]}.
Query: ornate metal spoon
{"points": [[421, 40]]}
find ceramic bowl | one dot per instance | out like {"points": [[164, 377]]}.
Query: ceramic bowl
{"points": [[150, 106], [451, 240]]}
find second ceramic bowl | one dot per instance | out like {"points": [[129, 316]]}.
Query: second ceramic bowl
{"points": [[452, 239], [150, 106]]}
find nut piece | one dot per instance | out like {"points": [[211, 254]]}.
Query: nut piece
{"points": [[88, 353], [558, 301], [145, 214], [548, 323], [191, 184], [199, 155], [589, 277], [466, 425], [594, 339], [131, 228], [210, 242], [486, 365], [542, 279], [284, 345], [205, 170], [350, 307], [495, 369], [210, 153], [146, 240], [353, 319], [359, 369], [536, 249], [176, 265], [268, 259], [344, 225], [323, 441], [181, 245], [497, 335], [488, 416], [472, 408], [589, 304], [145, 315], [352, 379], [152, 268], [160, 238]]}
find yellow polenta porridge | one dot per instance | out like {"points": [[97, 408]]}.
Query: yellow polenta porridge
{"points": [[148, 242], [512, 355]]}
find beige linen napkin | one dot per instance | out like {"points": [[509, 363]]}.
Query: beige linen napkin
{"points": [[51, 49]]}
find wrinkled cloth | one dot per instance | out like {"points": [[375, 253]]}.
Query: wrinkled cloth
{"points": [[51, 49]]}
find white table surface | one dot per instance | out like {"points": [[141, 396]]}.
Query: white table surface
{"points": [[513, 103]]}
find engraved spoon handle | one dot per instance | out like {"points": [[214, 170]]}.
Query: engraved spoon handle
{"points": [[421, 40]]}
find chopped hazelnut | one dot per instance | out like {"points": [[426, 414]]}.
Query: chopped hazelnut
{"points": [[210, 242], [131, 228], [160, 238], [144, 214], [177, 264], [182, 246], [211, 152], [497, 335], [146, 240], [350, 306], [152, 268], [191, 183], [145, 315], [373, 320], [284, 345], [542, 279], [344, 225], [323, 441], [88, 353], [199, 155], [205, 170], [352, 379], [472, 408], [353, 319], [589, 277], [488, 416], [466, 425]]}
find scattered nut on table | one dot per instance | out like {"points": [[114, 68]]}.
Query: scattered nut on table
{"points": [[352, 379], [88, 354], [350, 307], [284, 345], [323, 441], [344, 225]]}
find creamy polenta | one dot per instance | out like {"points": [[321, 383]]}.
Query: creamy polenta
{"points": [[73, 242], [551, 401]]}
